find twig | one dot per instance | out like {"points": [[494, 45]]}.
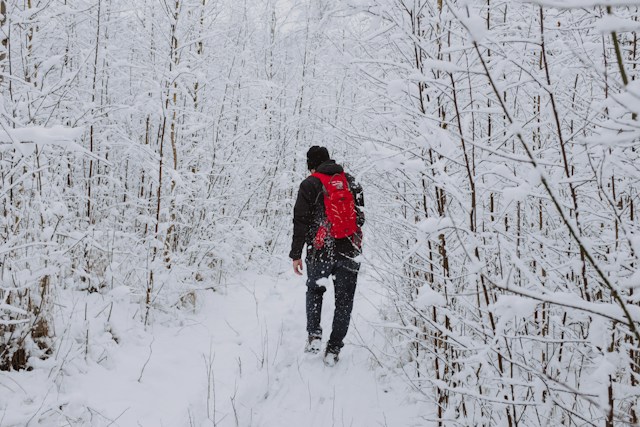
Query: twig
{"points": [[148, 358]]}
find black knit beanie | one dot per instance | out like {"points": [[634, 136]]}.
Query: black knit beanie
{"points": [[316, 155]]}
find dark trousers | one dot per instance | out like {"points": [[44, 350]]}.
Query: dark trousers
{"points": [[345, 275]]}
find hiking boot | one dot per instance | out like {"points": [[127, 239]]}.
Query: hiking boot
{"points": [[331, 356], [314, 344]]}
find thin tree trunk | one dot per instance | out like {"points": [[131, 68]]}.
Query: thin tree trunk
{"points": [[93, 99], [4, 40]]}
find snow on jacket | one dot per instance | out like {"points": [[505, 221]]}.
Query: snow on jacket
{"points": [[309, 213]]}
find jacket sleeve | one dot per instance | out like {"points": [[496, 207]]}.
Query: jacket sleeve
{"points": [[358, 197], [302, 218]]}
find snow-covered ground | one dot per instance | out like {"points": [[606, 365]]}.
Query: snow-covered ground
{"points": [[236, 361]]}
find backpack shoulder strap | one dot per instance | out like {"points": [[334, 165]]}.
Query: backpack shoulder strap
{"points": [[324, 179]]}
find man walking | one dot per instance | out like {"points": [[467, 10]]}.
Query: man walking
{"points": [[327, 218]]}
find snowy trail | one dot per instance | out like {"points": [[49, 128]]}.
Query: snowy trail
{"points": [[237, 361], [285, 387]]}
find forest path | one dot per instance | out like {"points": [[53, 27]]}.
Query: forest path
{"points": [[237, 361], [278, 385]]}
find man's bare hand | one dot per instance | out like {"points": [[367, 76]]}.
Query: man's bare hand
{"points": [[297, 266]]}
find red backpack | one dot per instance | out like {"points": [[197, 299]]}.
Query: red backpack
{"points": [[340, 208]]}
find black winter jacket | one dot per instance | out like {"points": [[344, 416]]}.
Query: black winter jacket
{"points": [[309, 214]]}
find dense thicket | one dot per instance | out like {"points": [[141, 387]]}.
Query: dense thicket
{"points": [[186, 118], [506, 140], [497, 142]]}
